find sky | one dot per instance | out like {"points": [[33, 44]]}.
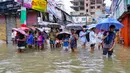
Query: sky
{"points": [[68, 4]]}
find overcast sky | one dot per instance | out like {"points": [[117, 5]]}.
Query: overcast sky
{"points": [[68, 4]]}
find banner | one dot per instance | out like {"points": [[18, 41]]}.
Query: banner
{"points": [[51, 7], [40, 5], [28, 3]]}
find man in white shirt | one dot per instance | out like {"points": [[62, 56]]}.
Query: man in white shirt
{"points": [[92, 36], [83, 39]]}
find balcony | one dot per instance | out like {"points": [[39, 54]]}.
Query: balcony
{"points": [[76, 1], [76, 8]]}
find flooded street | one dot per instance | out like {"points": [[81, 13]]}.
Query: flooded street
{"points": [[58, 61]]}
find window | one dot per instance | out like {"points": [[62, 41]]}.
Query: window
{"points": [[81, 13], [86, 5], [98, 7], [92, 7], [92, 13], [76, 4], [81, 3], [99, 1], [81, 8], [86, 10]]}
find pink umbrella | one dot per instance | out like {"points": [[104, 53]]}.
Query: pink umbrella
{"points": [[20, 31], [15, 29]]}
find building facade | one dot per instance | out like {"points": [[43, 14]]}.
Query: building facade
{"points": [[78, 7], [92, 9], [120, 9]]}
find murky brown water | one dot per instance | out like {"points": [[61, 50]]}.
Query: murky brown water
{"points": [[58, 61]]}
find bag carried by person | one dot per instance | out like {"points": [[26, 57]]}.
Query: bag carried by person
{"points": [[87, 36]]}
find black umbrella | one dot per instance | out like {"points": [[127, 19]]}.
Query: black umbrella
{"points": [[62, 35]]}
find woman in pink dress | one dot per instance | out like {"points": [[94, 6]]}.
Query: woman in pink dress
{"points": [[40, 40]]}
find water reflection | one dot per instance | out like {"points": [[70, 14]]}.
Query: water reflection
{"points": [[59, 61]]}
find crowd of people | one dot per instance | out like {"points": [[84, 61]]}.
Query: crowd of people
{"points": [[38, 39]]}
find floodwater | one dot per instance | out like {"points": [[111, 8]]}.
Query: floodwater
{"points": [[58, 61]]}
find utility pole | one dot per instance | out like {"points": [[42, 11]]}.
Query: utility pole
{"points": [[23, 14]]}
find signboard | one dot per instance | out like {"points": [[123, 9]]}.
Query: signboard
{"points": [[80, 19], [40, 5], [28, 3], [51, 7], [121, 7]]}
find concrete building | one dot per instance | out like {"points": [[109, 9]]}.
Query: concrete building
{"points": [[89, 7], [78, 7], [94, 7]]}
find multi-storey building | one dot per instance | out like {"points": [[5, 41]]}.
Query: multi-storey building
{"points": [[78, 7], [90, 7], [93, 9]]}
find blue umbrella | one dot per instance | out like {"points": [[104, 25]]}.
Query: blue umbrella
{"points": [[106, 23]]}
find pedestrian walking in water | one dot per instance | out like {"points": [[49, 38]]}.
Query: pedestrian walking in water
{"points": [[109, 41], [66, 43], [99, 39], [35, 39], [92, 37], [73, 40], [83, 39], [40, 41], [52, 37], [21, 42], [57, 40], [30, 40]]}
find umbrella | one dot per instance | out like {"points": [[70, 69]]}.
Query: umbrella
{"points": [[24, 27], [91, 26], [75, 26], [62, 35], [20, 31], [15, 29], [106, 23]]}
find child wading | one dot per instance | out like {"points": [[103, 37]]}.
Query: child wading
{"points": [[66, 43], [30, 40]]}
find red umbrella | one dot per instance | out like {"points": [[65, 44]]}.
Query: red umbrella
{"points": [[24, 27]]}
